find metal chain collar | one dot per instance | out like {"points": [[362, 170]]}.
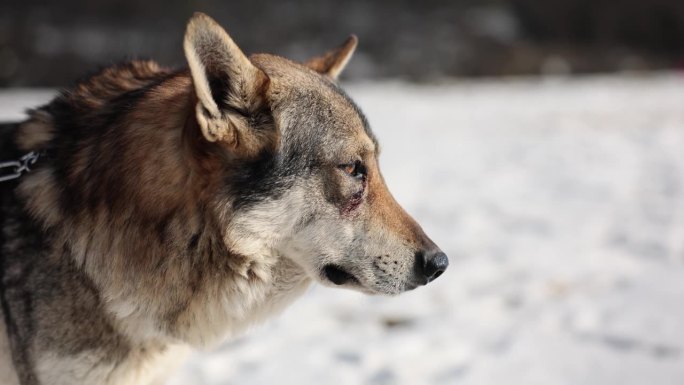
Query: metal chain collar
{"points": [[15, 168]]}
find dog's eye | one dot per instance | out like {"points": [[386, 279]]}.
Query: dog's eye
{"points": [[355, 169]]}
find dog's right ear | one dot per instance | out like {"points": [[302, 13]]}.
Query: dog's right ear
{"points": [[229, 87]]}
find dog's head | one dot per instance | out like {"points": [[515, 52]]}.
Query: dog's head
{"points": [[303, 181]]}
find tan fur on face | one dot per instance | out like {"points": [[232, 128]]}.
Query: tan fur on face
{"points": [[387, 213], [378, 241]]}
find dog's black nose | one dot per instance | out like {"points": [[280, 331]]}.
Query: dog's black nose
{"points": [[434, 264]]}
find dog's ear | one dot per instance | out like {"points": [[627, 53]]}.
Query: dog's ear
{"points": [[333, 62], [229, 88]]}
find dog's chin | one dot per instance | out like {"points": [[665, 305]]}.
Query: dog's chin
{"points": [[337, 276]]}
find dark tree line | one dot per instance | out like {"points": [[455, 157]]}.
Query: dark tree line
{"points": [[48, 43]]}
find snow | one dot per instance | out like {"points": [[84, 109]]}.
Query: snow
{"points": [[561, 205]]}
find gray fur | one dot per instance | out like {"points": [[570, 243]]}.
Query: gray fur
{"points": [[173, 209]]}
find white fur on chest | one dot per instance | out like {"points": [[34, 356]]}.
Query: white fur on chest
{"points": [[94, 367], [226, 309], [239, 307]]}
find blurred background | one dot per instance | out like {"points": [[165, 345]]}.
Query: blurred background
{"points": [[539, 143], [43, 43]]}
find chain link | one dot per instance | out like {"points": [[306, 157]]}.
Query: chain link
{"points": [[17, 167]]}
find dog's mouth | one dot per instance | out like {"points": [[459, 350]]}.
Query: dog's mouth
{"points": [[339, 276]]}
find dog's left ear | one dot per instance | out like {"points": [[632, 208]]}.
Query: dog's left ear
{"points": [[333, 62], [229, 88]]}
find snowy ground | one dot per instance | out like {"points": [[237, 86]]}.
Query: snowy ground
{"points": [[561, 205]]}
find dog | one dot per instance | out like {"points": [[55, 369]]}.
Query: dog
{"points": [[166, 210]]}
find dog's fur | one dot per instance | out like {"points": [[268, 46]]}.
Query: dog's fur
{"points": [[170, 209]]}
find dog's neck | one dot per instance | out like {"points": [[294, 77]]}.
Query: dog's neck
{"points": [[175, 279], [142, 219]]}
